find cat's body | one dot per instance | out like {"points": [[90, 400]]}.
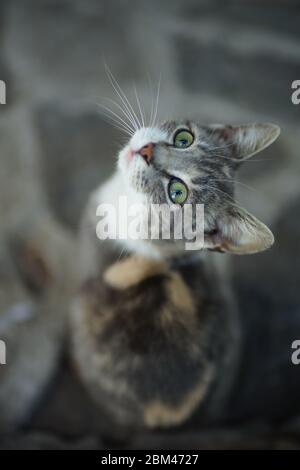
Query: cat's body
{"points": [[155, 330], [151, 338]]}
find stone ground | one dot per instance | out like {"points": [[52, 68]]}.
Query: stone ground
{"points": [[220, 61]]}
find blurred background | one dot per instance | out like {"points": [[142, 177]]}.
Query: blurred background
{"points": [[219, 61]]}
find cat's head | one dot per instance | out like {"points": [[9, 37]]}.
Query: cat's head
{"points": [[181, 162]]}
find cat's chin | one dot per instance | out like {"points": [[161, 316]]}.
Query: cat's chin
{"points": [[158, 251]]}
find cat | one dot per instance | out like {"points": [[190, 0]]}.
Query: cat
{"points": [[155, 329]]}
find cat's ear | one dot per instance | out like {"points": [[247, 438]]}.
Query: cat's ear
{"points": [[246, 140], [239, 232]]}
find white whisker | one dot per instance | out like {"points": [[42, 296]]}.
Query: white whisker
{"points": [[117, 105], [152, 98], [157, 100], [115, 124], [233, 181], [121, 121], [139, 106], [122, 97], [222, 146], [232, 201], [236, 160], [130, 122], [117, 116]]}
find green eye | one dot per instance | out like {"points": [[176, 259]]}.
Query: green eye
{"points": [[178, 192], [183, 139]]}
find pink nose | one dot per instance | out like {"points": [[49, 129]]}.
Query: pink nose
{"points": [[147, 152]]}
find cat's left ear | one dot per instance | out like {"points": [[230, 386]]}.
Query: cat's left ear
{"points": [[246, 140], [238, 232]]}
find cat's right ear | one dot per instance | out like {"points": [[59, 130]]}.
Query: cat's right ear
{"points": [[246, 140], [238, 232]]}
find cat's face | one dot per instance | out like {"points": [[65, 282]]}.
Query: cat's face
{"points": [[181, 162]]}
